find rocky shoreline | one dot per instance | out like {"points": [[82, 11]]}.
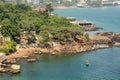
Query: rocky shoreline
{"points": [[98, 41]]}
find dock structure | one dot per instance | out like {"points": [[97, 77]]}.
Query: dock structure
{"points": [[86, 23], [2, 57]]}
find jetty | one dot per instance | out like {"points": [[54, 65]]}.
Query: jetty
{"points": [[85, 24], [88, 25]]}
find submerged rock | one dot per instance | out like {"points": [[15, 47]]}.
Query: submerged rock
{"points": [[25, 57], [31, 60]]}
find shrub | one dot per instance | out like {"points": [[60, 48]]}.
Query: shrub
{"points": [[4, 50]]}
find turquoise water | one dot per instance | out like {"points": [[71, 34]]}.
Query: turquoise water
{"points": [[106, 17], [104, 64]]}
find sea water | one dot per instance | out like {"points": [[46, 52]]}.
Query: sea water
{"points": [[103, 64], [105, 17]]}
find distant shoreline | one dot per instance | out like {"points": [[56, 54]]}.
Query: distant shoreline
{"points": [[64, 7]]}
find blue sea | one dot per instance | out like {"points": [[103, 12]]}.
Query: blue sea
{"points": [[105, 17], [104, 64]]}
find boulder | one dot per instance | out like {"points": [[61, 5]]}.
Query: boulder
{"points": [[2, 69], [15, 68]]}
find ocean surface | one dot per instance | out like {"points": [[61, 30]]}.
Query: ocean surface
{"points": [[105, 17], [104, 64]]}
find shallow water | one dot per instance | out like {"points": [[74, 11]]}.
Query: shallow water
{"points": [[104, 65]]}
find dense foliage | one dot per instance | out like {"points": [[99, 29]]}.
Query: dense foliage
{"points": [[15, 19]]}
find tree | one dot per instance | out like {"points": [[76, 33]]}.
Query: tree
{"points": [[87, 36], [12, 46], [49, 8], [8, 29], [16, 18], [22, 8]]}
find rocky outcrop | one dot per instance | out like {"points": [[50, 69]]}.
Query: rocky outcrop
{"points": [[113, 36], [9, 68], [91, 28], [101, 39], [2, 69], [116, 38]]}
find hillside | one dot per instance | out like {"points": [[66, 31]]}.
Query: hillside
{"points": [[36, 28]]}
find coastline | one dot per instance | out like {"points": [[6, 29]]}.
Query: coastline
{"points": [[64, 7], [103, 63], [97, 41], [25, 53], [68, 49], [11, 63]]}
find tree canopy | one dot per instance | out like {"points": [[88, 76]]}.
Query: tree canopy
{"points": [[18, 18]]}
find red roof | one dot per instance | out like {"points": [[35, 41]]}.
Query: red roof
{"points": [[42, 9]]}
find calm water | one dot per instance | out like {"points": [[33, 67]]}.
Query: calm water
{"points": [[107, 18], [104, 64]]}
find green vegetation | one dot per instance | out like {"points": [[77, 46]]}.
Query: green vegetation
{"points": [[11, 46], [17, 19], [87, 36], [4, 50], [49, 8]]}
